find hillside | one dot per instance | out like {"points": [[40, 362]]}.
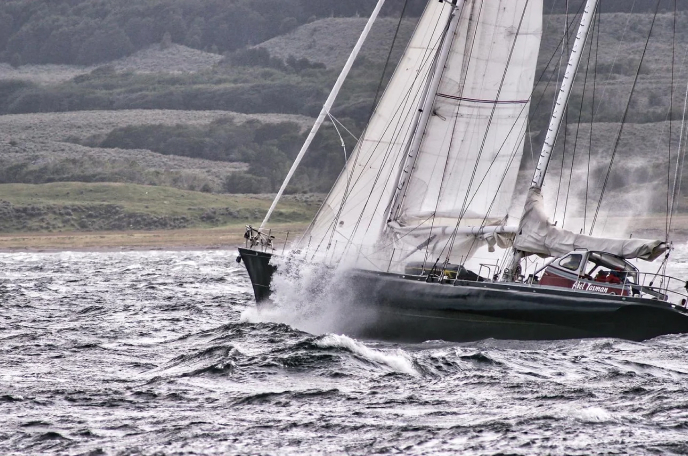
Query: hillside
{"points": [[154, 59], [315, 41], [38, 148], [106, 207], [229, 114]]}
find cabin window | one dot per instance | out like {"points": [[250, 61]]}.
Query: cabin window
{"points": [[571, 262]]}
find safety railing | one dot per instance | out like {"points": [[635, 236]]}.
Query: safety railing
{"points": [[660, 287], [265, 241]]}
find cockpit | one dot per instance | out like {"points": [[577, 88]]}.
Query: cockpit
{"points": [[591, 271]]}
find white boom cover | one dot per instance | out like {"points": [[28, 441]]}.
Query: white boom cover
{"points": [[538, 236], [479, 121]]}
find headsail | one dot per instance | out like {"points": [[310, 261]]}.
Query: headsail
{"points": [[354, 213], [467, 161]]}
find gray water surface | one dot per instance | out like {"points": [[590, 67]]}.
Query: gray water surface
{"points": [[153, 353]]}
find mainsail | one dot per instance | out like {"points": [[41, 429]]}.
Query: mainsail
{"points": [[413, 179]]}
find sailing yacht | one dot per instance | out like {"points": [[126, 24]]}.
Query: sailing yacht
{"points": [[431, 181]]}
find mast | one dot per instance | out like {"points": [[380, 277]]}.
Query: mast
{"points": [[564, 94], [555, 122], [425, 111], [326, 108]]}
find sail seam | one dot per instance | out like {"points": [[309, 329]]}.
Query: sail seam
{"points": [[477, 100]]}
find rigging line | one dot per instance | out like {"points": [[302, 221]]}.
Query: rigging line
{"points": [[464, 208], [671, 119], [678, 176], [477, 100], [494, 107], [592, 114], [334, 119], [456, 120], [616, 56], [623, 120], [575, 142], [334, 124], [565, 124], [389, 57], [681, 135], [409, 130], [347, 192], [563, 159]]}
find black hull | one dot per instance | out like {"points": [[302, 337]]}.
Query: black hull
{"points": [[407, 308], [260, 271]]}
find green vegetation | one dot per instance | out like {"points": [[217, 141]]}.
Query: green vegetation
{"points": [[269, 149], [265, 88], [104, 207], [247, 80], [89, 168], [95, 31]]}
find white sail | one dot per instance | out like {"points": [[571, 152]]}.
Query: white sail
{"points": [[478, 123], [468, 161], [355, 212]]}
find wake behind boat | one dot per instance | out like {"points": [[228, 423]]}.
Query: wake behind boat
{"points": [[432, 180]]}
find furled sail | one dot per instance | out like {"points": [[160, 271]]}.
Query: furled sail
{"points": [[539, 236], [467, 163], [469, 150]]}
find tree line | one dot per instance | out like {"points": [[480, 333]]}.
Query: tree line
{"points": [[269, 150], [94, 31]]}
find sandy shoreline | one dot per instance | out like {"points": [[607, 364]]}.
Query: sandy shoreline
{"points": [[226, 238], [230, 237]]}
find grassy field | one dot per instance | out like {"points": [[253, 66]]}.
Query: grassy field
{"points": [[82, 207]]}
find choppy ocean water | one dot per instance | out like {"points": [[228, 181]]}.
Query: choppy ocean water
{"points": [[160, 353]]}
